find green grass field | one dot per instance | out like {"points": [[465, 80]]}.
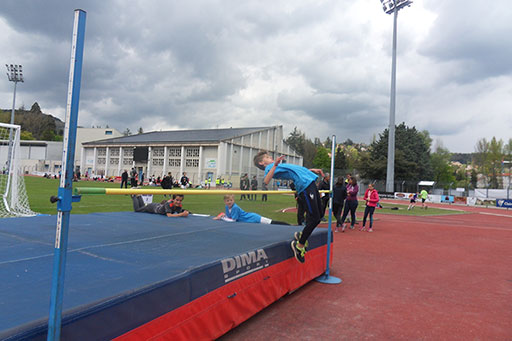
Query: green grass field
{"points": [[39, 191]]}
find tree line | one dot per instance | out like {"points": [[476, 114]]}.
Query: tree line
{"points": [[416, 158]]}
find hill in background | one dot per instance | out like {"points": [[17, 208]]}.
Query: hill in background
{"points": [[35, 125]]}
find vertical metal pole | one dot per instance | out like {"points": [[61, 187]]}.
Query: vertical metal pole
{"points": [[66, 180], [325, 278], [13, 103], [330, 206], [11, 144], [390, 174]]}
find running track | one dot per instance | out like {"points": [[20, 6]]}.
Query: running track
{"points": [[429, 278]]}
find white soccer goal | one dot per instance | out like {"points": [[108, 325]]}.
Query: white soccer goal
{"points": [[14, 199]]}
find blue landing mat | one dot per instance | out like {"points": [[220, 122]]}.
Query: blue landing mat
{"points": [[112, 255]]}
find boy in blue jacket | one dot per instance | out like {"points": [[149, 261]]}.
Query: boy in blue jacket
{"points": [[235, 213], [304, 180]]}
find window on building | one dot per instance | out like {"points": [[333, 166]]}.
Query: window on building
{"points": [[158, 152], [175, 152], [128, 152], [101, 151], [101, 161], [175, 162], [192, 163], [108, 132], [192, 152]]}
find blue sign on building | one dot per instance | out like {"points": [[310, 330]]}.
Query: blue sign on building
{"points": [[504, 203]]}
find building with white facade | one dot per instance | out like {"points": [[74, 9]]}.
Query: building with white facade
{"points": [[91, 134], [204, 153]]}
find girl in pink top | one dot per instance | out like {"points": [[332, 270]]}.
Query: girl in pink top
{"points": [[372, 198]]}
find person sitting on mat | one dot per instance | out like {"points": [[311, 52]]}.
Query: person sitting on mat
{"points": [[171, 208], [235, 213], [304, 180]]}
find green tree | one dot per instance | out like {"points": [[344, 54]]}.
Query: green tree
{"points": [[461, 177], [496, 155], [322, 159], [508, 158], [303, 146], [473, 178], [140, 131], [48, 135], [26, 135], [127, 132], [425, 135], [442, 169], [488, 157], [297, 140], [480, 158], [353, 157], [348, 142], [328, 143], [412, 156], [340, 160], [309, 153]]}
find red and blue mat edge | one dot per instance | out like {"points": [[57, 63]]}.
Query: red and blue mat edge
{"points": [[217, 312]]}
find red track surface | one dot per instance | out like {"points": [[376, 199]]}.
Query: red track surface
{"points": [[430, 278]]}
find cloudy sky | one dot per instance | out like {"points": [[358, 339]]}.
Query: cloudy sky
{"points": [[322, 66]]}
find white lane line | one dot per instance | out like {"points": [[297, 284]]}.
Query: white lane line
{"points": [[447, 224], [498, 215]]}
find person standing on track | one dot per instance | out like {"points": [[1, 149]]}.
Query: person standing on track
{"points": [[371, 196], [350, 204], [424, 197], [412, 202], [338, 199], [325, 185], [305, 183]]}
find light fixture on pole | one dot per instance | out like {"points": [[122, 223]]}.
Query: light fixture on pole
{"points": [[392, 6], [15, 74]]}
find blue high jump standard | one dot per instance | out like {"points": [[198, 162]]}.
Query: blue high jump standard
{"points": [[132, 276]]}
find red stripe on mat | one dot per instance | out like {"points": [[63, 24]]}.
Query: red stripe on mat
{"points": [[214, 314]]}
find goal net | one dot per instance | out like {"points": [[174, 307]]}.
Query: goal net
{"points": [[14, 199]]}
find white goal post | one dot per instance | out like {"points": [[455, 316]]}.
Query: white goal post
{"points": [[14, 199]]}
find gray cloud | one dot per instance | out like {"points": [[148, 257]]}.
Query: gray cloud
{"points": [[475, 36], [323, 67]]}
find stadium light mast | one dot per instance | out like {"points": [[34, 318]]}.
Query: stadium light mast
{"points": [[15, 74], [392, 6]]}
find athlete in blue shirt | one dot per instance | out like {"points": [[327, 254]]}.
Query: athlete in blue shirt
{"points": [[235, 213], [304, 180]]}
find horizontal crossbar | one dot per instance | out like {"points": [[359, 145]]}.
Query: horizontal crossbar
{"points": [[136, 191]]}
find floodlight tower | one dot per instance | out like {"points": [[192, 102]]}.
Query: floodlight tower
{"points": [[392, 6], [15, 74]]}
